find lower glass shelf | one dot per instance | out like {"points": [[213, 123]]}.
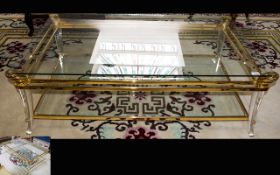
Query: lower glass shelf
{"points": [[90, 105]]}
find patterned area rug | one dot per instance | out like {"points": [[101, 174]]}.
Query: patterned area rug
{"points": [[262, 41]]}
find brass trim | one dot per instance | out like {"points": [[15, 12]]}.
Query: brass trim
{"points": [[27, 81], [241, 51], [262, 84], [41, 54], [36, 49], [163, 89], [126, 118], [267, 82], [140, 82]]}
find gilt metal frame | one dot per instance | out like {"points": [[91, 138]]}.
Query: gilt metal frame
{"points": [[24, 81]]}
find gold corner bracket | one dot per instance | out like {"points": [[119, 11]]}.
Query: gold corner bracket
{"points": [[18, 81], [267, 80]]}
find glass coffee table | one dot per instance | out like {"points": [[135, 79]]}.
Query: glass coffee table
{"points": [[22, 157], [140, 69]]}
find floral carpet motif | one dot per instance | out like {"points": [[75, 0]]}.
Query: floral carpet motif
{"points": [[258, 25], [264, 53], [128, 103], [141, 129], [140, 104], [13, 52], [19, 23]]}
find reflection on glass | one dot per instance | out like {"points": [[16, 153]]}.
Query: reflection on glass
{"points": [[147, 50]]}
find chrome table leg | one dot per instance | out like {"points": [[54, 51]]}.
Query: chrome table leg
{"points": [[27, 100], [255, 103], [220, 44], [59, 45]]}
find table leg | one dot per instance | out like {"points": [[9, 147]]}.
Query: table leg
{"points": [[59, 45], [247, 18], [27, 100], [190, 16], [255, 103], [29, 23], [233, 19], [220, 44]]}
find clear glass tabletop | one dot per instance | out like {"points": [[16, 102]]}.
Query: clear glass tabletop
{"points": [[139, 49]]}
